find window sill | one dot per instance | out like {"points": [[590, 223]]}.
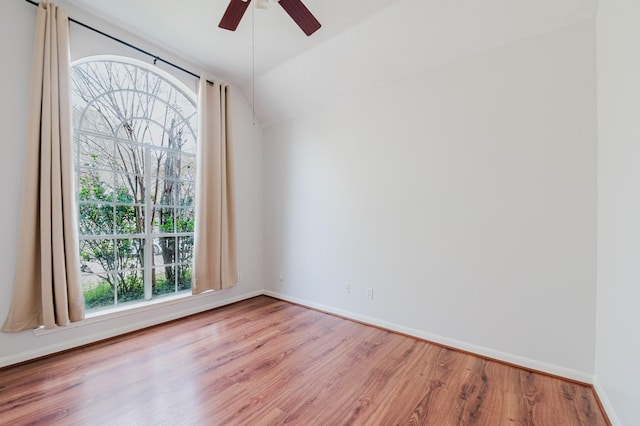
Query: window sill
{"points": [[123, 311]]}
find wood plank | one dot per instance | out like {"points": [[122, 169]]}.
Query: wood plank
{"points": [[265, 361]]}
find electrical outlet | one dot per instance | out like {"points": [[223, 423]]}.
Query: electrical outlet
{"points": [[369, 293], [281, 276], [347, 288], [239, 276]]}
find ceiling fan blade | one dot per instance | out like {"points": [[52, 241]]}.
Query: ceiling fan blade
{"points": [[233, 15], [301, 15]]}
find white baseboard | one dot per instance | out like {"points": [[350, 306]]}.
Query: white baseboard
{"points": [[479, 350], [606, 404], [209, 301]]}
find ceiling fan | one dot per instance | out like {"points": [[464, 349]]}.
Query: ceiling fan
{"points": [[295, 8]]}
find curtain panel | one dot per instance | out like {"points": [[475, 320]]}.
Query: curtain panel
{"points": [[215, 259], [47, 288]]}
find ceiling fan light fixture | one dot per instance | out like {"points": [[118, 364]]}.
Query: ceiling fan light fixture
{"points": [[262, 4]]}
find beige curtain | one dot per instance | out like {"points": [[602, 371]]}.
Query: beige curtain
{"points": [[47, 281], [214, 264]]}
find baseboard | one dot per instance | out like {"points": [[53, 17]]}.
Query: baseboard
{"points": [[214, 302], [550, 369], [607, 407]]}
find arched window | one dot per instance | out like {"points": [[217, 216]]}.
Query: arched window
{"points": [[135, 135]]}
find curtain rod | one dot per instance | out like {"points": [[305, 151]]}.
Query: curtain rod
{"points": [[156, 58]]}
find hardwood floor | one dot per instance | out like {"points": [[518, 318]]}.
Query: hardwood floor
{"points": [[264, 361]]}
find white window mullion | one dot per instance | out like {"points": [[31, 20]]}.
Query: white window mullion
{"points": [[176, 255], [148, 240], [114, 230]]}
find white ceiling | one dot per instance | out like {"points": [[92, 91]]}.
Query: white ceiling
{"points": [[361, 42], [190, 27]]}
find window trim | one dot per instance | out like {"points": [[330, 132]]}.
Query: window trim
{"points": [[205, 301]]}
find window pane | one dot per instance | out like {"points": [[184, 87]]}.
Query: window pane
{"points": [[189, 145], [95, 219], [130, 254], [129, 158], [95, 185], [157, 160], [129, 188], [168, 250], [98, 291], [185, 249], [89, 119], [129, 220], [130, 286], [96, 256], [171, 165], [170, 279], [167, 192], [95, 152], [186, 193], [164, 281], [184, 277], [164, 220], [132, 129], [155, 191], [185, 220]]}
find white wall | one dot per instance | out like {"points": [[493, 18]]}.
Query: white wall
{"points": [[405, 38], [618, 340], [17, 21], [464, 196]]}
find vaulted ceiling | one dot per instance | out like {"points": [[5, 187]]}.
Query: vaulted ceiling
{"points": [[361, 42]]}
